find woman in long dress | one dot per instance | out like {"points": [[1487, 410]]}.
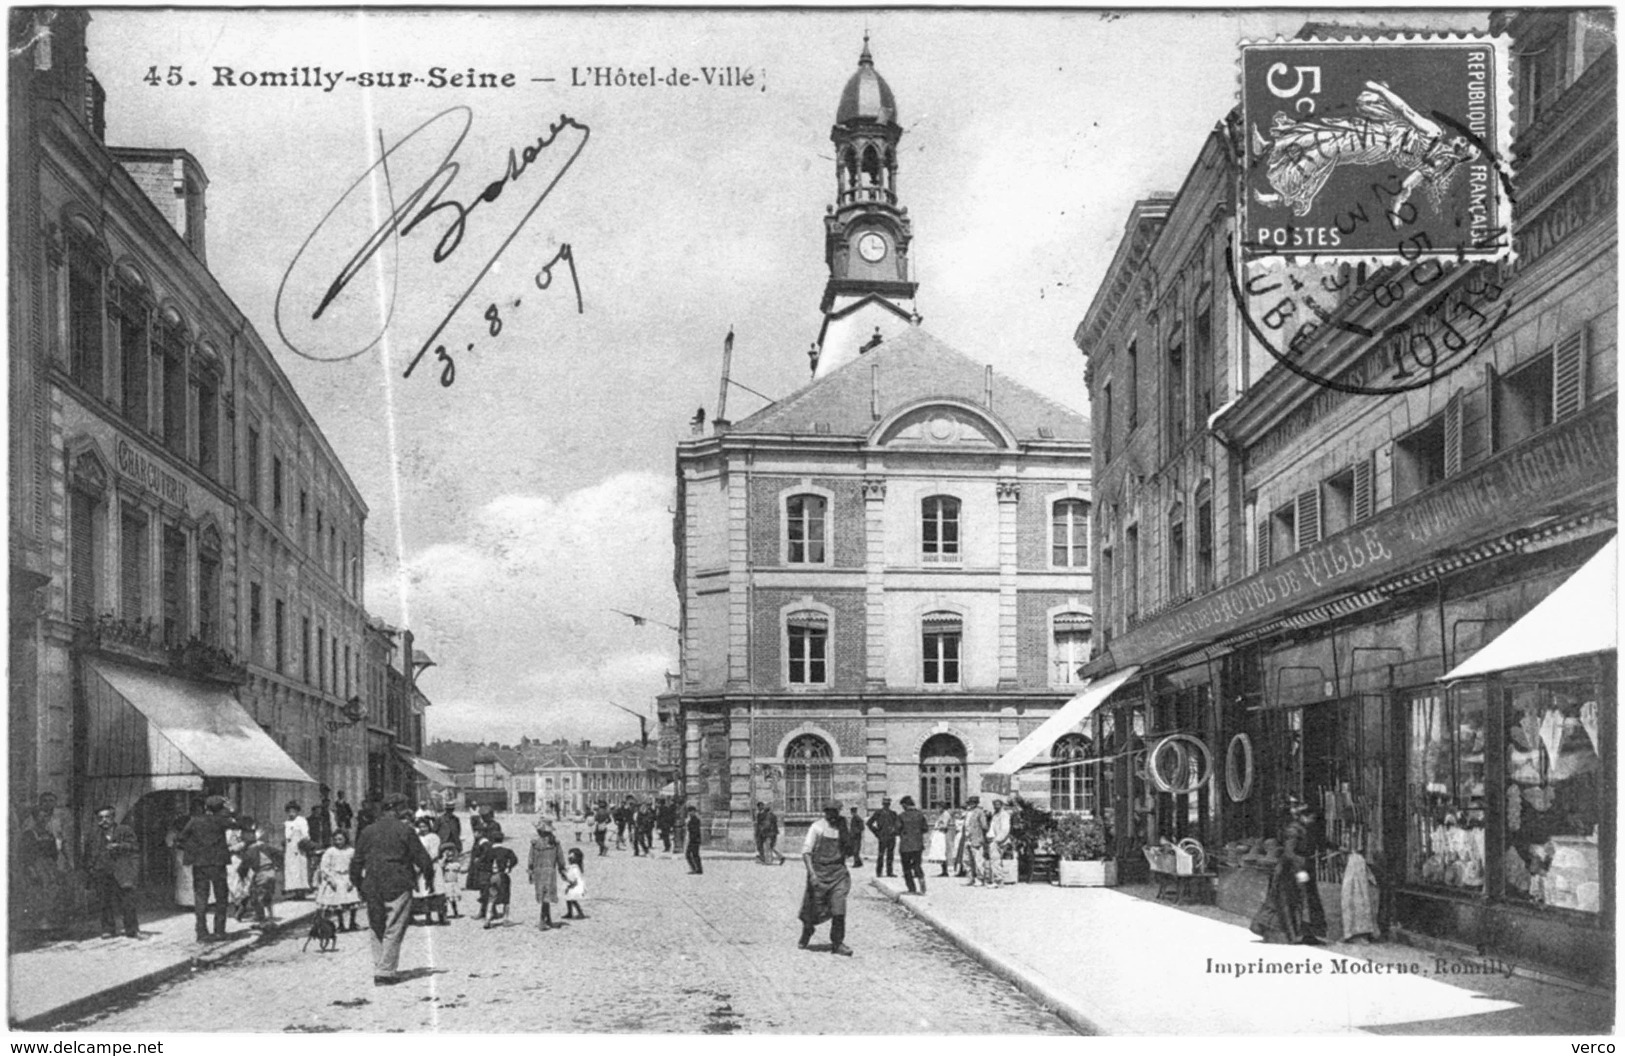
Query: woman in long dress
{"points": [[1291, 912], [431, 843], [237, 882], [936, 848], [334, 888], [295, 842], [956, 843], [545, 868]]}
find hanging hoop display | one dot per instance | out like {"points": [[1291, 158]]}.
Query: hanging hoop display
{"points": [[1238, 767], [1179, 764]]}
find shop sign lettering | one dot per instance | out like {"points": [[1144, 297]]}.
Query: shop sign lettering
{"points": [[1592, 196], [144, 470], [1496, 496]]}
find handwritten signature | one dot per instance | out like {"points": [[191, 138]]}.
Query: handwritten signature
{"points": [[428, 198]]}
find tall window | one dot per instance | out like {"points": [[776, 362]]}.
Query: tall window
{"points": [[1176, 391], [1445, 770], [1176, 557], [208, 596], [279, 632], [1073, 632], [206, 389], [130, 318], [809, 775], [805, 525], [1202, 369], [276, 485], [1069, 534], [172, 579], [1419, 458], [1133, 385], [1106, 423], [346, 672], [1131, 580], [1071, 786], [939, 528], [941, 634], [169, 348], [304, 648], [321, 658], [942, 772], [1204, 545], [85, 559], [253, 465], [132, 564], [85, 318], [808, 636], [256, 622]]}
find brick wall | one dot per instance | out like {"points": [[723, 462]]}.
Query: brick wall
{"points": [[846, 646], [1033, 634], [767, 518]]}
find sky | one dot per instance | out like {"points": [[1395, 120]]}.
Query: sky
{"points": [[513, 509]]}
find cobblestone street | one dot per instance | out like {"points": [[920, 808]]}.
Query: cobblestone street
{"points": [[661, 951]]}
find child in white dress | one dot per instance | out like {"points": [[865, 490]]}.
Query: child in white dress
{"points": [[575, 886]]}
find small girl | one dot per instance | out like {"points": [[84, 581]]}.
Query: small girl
{"points": [[334, 889], [500, 889], [575, 886], [451, 875], [259, 866]]}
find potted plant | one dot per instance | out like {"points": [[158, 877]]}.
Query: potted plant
{"points": [[1080, 840]]}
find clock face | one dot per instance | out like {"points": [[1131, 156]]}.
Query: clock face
{"points": [[872, 247]]}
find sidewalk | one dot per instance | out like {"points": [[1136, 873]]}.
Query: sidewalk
{"points": [[1110, 963], [54, 981]]}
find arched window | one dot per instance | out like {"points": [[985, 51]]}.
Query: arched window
{"points": [[809, 774], [942, 772], [941, 634], [1071, 786], [939, 528], [1071, 647], [805, 521], [807, 638], [1069, 534]]}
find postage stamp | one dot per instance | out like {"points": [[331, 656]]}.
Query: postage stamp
{"points": [[1364, 149]]}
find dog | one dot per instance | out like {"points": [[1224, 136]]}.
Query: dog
{"points": [[324, 931]]}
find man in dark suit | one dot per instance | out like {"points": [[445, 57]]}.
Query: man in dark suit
{"points": [[854, 838], [691, 848], [449, 827], [320, 820], [203, 843], [911, 827], [665, 821], [883, 823], [388, 860], [343, 813], [113, 861]]}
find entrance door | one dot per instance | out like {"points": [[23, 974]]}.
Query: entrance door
{"points": [[942, 772]]}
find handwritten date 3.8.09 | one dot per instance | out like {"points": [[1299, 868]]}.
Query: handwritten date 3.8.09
{"points": [[318, 313], [493, 316]]}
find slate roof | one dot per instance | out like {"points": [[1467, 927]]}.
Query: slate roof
{"points": [[914, 366]]}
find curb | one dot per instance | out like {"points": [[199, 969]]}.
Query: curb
{"points": [[1029, 982], [91, 1002]]}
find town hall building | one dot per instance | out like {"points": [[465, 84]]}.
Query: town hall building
{"points": [[884, 577]]}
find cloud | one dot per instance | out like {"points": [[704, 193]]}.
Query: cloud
{"points": [[514, 607]]}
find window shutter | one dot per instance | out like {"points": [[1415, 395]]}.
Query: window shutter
{"points": [[1308, 518], [1452, 435], [1262, 546], [1492, 408], [84, 564], [1568, 376], [1365, 498]]}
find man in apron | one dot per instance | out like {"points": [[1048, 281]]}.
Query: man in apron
{"points": [[828, 882]]}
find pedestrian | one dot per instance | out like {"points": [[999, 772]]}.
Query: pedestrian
{"points": [[295, 850], [112, 861], [665, 821], [258, 866], [448, 826], [40, 855], [692, 841], [956, 843], [767, 836], [321, 823], [370, 812], [387, 859], [575, 885], [451, 876], [911, 827], [974, 849], [643, 829], [237, 883], [1292, 912], [883, 823], [545, 868], [936, 846], [999, 836], [335, 891], [499, 889], [484, 818], [479, 866], [426, 885], [854, 838], [600, 827], [621, 816], [204, 847], [828, 882], [343, 813]]}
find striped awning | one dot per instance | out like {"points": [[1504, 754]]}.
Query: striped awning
{"points": [[942, 619], [810, 619], [1074, 621]]}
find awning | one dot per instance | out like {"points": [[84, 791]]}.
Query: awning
{"points": [[996, 778], [436, 774], [1576, 619], [143, 724]]}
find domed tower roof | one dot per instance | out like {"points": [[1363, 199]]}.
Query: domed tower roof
{"points": [[867, 96]]}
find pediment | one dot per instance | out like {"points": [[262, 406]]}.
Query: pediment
{"points": [[942, 425]]}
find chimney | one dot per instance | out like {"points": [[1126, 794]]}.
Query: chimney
{"points": [[174, 183]]}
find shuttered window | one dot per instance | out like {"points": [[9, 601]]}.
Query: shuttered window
{"points": [[132, 565], [1308, 518], [1261, 542], [1452, 435], [1365, 496], [81, 539], [1568, 376]]}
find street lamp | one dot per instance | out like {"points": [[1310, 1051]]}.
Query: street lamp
{"points": [[353, 711]]}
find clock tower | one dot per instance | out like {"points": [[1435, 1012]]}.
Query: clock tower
{"points": [[866, 233]]}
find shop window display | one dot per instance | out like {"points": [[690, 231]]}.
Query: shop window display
{"points": [[1554, 784], [1445, 787]]}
